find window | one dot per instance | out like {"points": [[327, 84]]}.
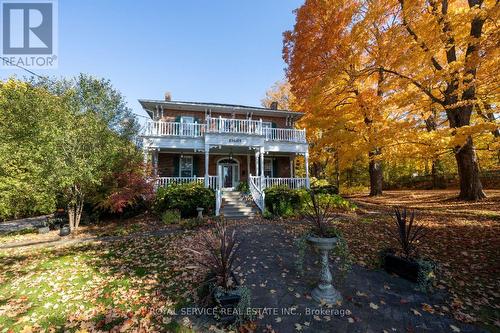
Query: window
{"points": [[268, 167], [267, 124], [186, 166], [187, 127]]}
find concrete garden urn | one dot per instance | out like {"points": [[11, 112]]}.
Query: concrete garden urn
{"points": [[200, 212], [324, 291]]}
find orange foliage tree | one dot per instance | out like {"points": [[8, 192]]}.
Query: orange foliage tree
{"points": [[377, 77]]}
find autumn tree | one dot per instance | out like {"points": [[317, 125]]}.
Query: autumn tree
{"points": [[406, 64]]}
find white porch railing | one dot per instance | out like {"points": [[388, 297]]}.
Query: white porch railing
{"points": [[258, 194], [224, 125], [285, 134], [293, 183], [242, 126], [166, 181], [163, 128]]}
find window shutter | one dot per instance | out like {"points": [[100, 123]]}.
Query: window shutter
{"points": [[275, 167], [176, 165], [195, 166], [273, 125], [178, 119]]}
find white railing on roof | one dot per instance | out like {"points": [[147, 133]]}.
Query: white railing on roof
{"points": [[285, 134], [293, 183], [240, 126], [165, 128], [258, 194]]}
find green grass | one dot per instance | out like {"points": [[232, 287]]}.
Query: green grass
{"points": [[58, 288]]}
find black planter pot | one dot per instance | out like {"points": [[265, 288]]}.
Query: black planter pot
{"points": [[228, 307], [64, 231], [405, 268]]}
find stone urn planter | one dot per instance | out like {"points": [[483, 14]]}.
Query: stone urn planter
{"points": [[64, 231], [200, 212], [324, 291]]}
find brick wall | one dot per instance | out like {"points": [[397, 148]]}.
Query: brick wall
{"points": [[172, 115], [166, 166]]}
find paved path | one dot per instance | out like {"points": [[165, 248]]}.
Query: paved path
{"points": [[376, 300], [22, 224]]}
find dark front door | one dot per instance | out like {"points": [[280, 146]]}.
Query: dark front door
{"points": [[227, 175]]}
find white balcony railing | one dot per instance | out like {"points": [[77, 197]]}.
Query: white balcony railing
{"points": [[224, 125], [163, 128], [285, 134], [239, 126]]}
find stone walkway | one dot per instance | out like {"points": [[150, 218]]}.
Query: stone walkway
{"points": [[375, 301]]}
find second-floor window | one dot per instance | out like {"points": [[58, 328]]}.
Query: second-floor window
{"points": [[187, 127]]}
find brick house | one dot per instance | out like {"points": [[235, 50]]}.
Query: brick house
{"points": [[222, 145]]}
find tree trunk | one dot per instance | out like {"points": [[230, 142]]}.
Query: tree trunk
{"points": [[375, 169], [438, 180], [468, 172], [75, 208]]}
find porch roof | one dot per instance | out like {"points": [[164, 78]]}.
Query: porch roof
{"points": [[150, 105]]}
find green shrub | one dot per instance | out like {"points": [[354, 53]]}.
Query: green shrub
{"points": [[171, 216], [334, 201], [185, 198], [243, 187], [283, 201]]}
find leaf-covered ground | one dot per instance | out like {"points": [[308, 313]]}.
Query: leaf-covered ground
{"points": [[130, 284], [464, 240]]}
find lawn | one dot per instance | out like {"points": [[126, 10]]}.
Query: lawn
{"points": [[116, 285], [133, 282]]}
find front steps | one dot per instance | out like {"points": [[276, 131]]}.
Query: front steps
{"points": [[235, 207]]}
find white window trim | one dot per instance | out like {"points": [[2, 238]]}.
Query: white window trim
{"points": [[187, 118], [180, 165], [272, 168]]}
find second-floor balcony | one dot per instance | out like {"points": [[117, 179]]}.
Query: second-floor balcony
{"points": [[224, 125]]}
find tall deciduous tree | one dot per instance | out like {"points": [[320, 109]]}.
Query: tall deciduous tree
{"points": [[385, 64]]}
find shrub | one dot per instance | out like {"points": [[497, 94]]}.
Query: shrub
{"points": [[171, 216], [185, 198], [243, 187], [283, 201], [407, 232]]}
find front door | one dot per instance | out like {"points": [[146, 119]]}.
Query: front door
{"points": [[229, 173]]}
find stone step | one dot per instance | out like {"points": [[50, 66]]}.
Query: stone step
{"points": [[238, 210]]}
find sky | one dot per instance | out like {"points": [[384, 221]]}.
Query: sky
{"points": [[206, 51]]}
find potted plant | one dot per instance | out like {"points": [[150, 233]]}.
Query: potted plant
{"points": [[404, 262], [318, 210], [44, 227], [217, 254]]}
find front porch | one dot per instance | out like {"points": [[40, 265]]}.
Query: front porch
{"points": [[225, 168]]}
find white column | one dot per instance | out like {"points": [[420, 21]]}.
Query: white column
{"points": [[262, 168], [248, 167], [155, 162], [256, 162], [207, 150], [306, 157]]}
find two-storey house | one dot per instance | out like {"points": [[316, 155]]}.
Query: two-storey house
{"points": [[222, 145]]}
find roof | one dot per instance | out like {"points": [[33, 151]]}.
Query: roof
{"points": [[150, 105]]}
